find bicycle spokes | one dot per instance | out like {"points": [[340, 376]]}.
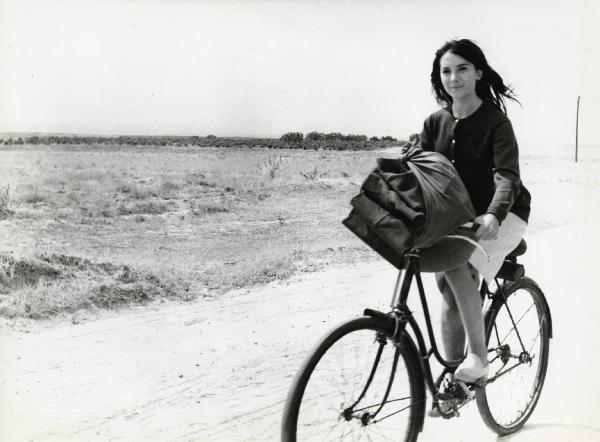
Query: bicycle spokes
{"points": [[367, 417], [358, 385], [519, 331], [504, 352]]}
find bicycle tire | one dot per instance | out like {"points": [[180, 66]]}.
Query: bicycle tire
{"points": [[344, 360], [506, 406]]}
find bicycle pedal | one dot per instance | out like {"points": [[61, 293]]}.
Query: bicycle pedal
{"points": [[444, 409], [450, 392]]}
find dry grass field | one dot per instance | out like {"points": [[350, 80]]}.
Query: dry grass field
{"points": [[92, 227], [86, 228]]}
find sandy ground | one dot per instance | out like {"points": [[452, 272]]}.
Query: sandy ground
{"points": [[219, 370]]}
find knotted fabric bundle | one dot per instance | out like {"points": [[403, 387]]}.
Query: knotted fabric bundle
{"points": [[409, 202]]}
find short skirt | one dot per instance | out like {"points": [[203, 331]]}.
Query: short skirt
{"points": [[486, 256]]}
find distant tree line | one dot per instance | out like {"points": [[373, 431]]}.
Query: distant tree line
{"points": [[296, 137], [293, 140], [337, 141]]}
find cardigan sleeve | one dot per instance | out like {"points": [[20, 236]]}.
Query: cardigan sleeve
{"points": [[507, 181], [426, 138]]}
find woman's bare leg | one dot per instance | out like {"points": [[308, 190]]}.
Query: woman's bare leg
{"points": [[464, 284], [453, 332]]}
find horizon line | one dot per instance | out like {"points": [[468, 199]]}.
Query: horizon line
{"points": [[83, 134]]}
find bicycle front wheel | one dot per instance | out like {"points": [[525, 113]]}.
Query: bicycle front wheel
{"points": [[357, 385], [518, 331]]}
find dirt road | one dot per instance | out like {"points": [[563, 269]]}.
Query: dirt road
{"points": [[219, 370]]}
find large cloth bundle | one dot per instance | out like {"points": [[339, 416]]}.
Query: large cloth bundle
{"points": [[409, 202]]}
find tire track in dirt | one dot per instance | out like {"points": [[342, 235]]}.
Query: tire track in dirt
{"points": [[208, 369], [219, 370]]}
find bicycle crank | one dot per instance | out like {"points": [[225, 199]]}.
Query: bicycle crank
{"points": [[454, 395]]}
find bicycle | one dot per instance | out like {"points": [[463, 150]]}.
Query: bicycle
{"points": [[367, 377]]}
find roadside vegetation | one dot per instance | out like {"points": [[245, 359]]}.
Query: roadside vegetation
{"points": [[92, 227], [290, 140]]}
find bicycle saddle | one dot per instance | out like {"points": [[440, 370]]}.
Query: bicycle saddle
{"points": [[519, 250]]}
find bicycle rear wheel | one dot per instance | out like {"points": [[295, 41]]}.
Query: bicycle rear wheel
{"points": [[518, 331], [340, 391]]}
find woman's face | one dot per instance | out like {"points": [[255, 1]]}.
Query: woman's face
{"points": [[458, 76]]}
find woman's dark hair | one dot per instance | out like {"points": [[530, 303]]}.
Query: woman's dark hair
{"points": [[489, 88]]}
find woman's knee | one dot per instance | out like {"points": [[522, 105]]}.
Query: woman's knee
{"points": [[462, 279]]}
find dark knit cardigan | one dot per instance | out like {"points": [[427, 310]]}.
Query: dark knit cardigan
{"points": [[484, 151]]}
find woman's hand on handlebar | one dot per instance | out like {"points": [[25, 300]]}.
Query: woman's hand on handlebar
{"points": [[488, 226]]}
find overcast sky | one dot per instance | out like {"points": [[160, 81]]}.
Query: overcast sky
{"points": [[264, 68]]}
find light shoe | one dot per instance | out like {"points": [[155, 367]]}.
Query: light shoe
{"points": [[472, 370]]}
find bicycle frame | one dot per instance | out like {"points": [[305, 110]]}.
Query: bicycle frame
{"points": [[400, 329], [404, 316], [400, 317]]}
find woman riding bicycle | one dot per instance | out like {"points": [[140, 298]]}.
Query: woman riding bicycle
{"points": [[473, 131], [354, 383]]}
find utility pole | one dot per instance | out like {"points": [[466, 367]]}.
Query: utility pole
{"points": [[577, 129]]}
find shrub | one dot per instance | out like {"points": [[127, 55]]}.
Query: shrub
{"points": [[315, 136], [334, 136], [313, 174], [352, 137], [292, 137], [273, 164]]}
